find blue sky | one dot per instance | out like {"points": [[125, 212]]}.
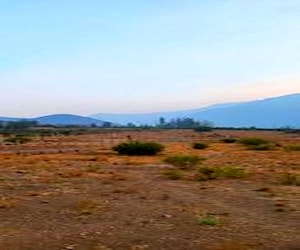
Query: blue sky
{"points": [[124, 56]]}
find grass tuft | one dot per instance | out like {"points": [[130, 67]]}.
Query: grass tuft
{"points": [[200, 145], [208, 220], [184, 162], [290, 179]]}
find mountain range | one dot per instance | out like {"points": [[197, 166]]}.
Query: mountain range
{"points": [[266, 113], [60, 120]]}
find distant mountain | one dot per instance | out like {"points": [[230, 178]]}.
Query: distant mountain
{"points": [[66, 119], [60, 120], [267, 113], [9, 119], [153, 118]]}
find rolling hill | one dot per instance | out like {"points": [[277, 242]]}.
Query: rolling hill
{"points": [[8, 119], [267, 113], [153, 118], [67, 119], [60, 120]]}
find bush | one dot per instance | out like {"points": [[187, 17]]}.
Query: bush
{"points": [[18, 139], [229, 140], [253, 141], [138, 148], [211, 173], [174, 174], [208, 220], [200, 145], [295, 147], [290, 179], [184, 161], [261, 147], [257, 144]]}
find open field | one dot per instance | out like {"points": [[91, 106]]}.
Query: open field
{"points": [[74, 192]]}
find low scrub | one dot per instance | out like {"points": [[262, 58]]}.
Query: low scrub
{"points": [[229, 140], [138, 148], [295, 147], [253, 141], [18, 139], [174, 174], [262, 147], [211, 173], [257, 144], [200, 145], [184, 162], [208, 220], [290, 179]]}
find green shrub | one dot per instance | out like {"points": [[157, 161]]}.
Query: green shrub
{"points": [[18, 139], [208, 220], [210, 173], [290, 179], [207, 173], [295, 147], [200, 145], [253, 141], [174, 174], [184, 161], [138, 148], [257, 144], [229, 140]]}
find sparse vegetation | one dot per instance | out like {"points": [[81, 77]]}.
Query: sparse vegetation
{"points": [[17, 139], [138, 148], [174, 174], [262, 147], [185, 162], [290, 179], [295, 147], [210, 173], [97, 192], [257, 144], [229, 140], [253, 141], [200, 145], [208, 220]]}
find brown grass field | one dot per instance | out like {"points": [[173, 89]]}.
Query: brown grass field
{"points": [[74, 192]]}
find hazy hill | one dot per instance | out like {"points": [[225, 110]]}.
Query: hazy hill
{"points": [[8, 119], [66, 119], [153, 118], [272, 112], [60, 119]]}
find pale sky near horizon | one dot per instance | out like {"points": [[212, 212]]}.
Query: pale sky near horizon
{"points": [[126, 56]]}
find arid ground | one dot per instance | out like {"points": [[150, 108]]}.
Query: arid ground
{"points": [[75, 192]]}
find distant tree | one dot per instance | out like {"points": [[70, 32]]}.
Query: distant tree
{"points": [[130, 125], [19, 125], [107, 125], [162, 122]]}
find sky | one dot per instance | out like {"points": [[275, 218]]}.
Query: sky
{"points": [[136, 56]]}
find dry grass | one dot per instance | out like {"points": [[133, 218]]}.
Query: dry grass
{"points": [[65, 191]]}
